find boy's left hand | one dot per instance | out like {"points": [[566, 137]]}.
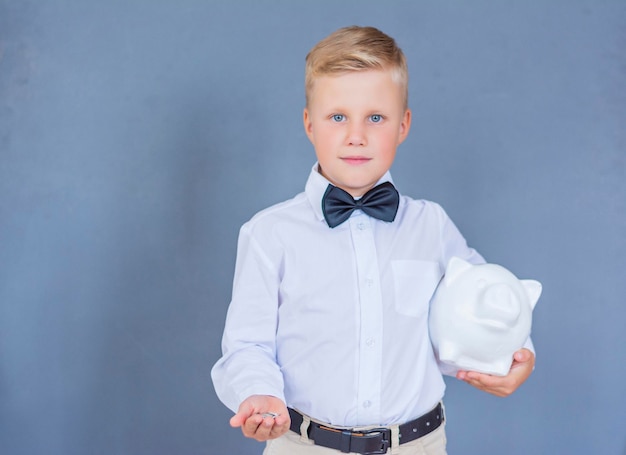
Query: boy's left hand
{"points": [[502, 386]]}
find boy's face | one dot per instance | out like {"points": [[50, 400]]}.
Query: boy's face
{"points": [[355, 122]]}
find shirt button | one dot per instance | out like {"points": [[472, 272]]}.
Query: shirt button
{"points": [[367, 403], [361, 226], [370, 342], [369, 282]]}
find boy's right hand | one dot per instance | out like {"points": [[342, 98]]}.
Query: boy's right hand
{"points": [[254, 425]]}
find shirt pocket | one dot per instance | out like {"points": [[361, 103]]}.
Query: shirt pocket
{"points": [[414, 285]]}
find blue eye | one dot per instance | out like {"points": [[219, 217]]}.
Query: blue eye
{"points": [[376, 118], [338, 117]]}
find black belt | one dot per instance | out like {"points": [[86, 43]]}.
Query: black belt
{"points": [[367, 442]]}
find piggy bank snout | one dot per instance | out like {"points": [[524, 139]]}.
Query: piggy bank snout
{"points": [[499, 306]]}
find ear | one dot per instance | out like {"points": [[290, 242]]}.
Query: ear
{"points": [[533, 289], [456, 267], [308, 124], [405, 126]]}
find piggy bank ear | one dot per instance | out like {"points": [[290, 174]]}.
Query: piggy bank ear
{"points": [[456, 267], [533, 289]]}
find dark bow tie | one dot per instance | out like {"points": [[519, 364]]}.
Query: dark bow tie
{"points": [[380, 202]]}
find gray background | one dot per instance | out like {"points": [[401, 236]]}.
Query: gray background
{"points": [[137, 136]]}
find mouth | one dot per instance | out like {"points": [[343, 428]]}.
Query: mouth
{"points": [[355, 160]]}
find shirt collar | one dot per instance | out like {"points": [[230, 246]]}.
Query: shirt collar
{"points": [[316, 187]]}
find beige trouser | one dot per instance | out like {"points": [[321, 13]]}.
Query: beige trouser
{"points": [[293, 444]]}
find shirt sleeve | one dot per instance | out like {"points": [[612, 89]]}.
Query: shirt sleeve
{"points": [[453, 243], [529, 345], [248, 364]]}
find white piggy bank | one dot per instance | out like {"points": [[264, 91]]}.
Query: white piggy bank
{"points": [[479, 316]]}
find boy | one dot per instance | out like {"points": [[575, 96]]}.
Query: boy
{"points": [[326, 346]]}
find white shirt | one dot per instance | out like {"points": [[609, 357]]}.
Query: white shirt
{"points": [[335, 321]]}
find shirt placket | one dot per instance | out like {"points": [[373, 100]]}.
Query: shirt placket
{"points": [[371, 320]]}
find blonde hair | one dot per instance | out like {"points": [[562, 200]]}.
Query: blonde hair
{"points": [[356, 49]]}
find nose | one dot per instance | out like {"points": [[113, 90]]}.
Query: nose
{"points": [[356, 134]]}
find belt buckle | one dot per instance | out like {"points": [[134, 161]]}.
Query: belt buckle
{"points": [[385, 440]]}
